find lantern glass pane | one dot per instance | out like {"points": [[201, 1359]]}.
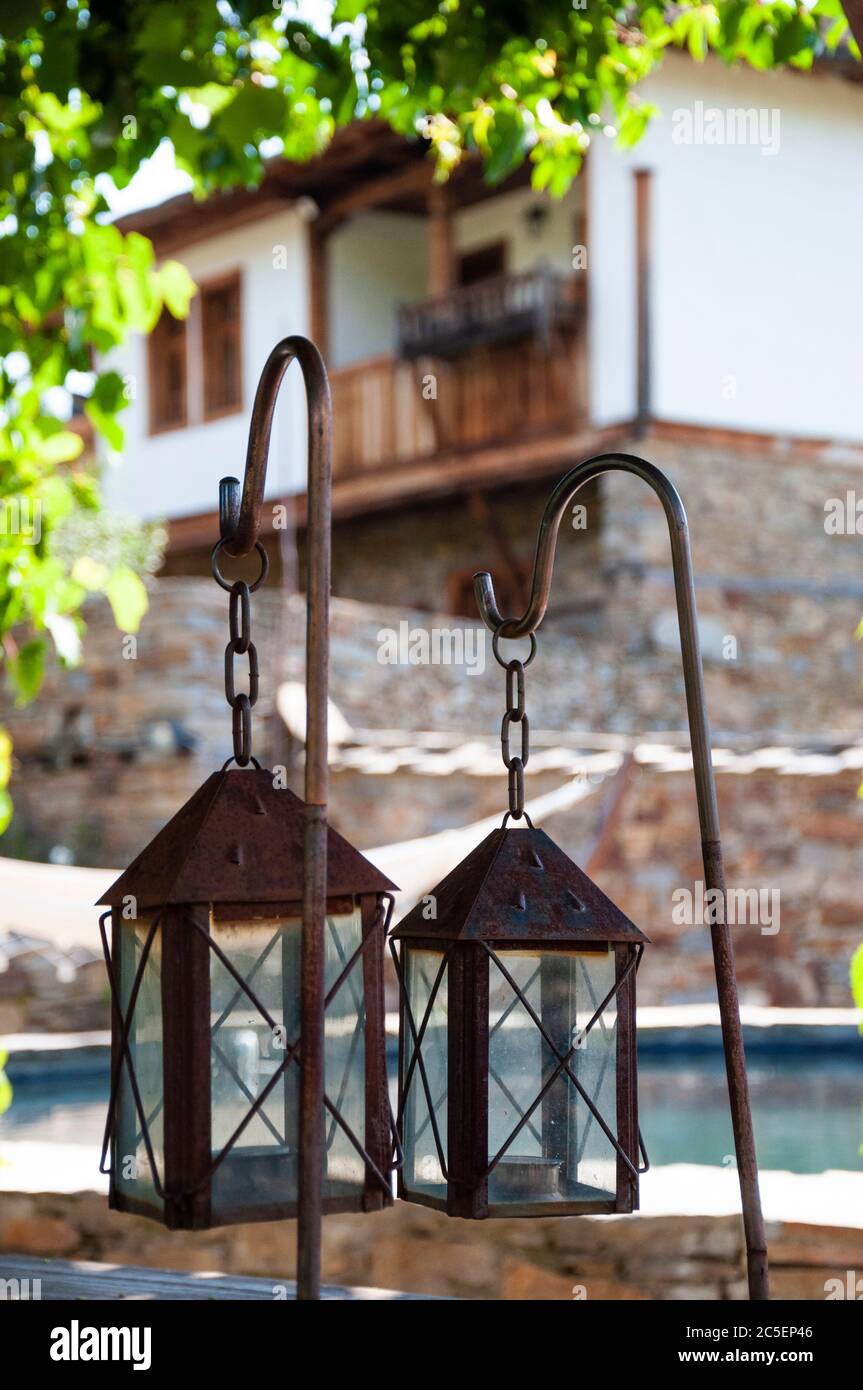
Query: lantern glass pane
{"points": [[423, 1173], [133, 1175], [560, 1153], [344, 1057], [260, 1171]]}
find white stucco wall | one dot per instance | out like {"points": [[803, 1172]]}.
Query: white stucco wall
{"points": [[377, 261], [177, 473], [505, 219], [756, 299]]}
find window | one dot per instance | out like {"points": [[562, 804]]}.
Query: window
{"points": [[167, 373], [195, 364], [482, 264], [220, 337]]}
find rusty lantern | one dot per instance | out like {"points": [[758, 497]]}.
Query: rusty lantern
{"points": [[204, 965], [517, 1068], [248, 1076]]}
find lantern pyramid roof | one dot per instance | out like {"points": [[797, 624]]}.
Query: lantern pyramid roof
{"points": [[238, 839], [518, 885]]}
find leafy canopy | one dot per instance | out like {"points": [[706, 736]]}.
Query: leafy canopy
{"points": [[90, 90]]}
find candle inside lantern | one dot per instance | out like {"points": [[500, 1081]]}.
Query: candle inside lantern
{"points": [[517, 1177]]}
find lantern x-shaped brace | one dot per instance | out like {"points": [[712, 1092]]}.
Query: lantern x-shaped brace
{"points": [[244, 986], [564, 1059]]}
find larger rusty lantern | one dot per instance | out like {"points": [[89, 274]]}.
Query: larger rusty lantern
{"points": [[517, 1091], [248, 1076], [205, 965]]}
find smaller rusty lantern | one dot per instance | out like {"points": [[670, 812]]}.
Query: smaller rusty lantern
{"points": [[517, 1092], [205, 969]]}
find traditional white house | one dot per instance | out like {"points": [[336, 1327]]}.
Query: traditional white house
{"points": [[706, 280]]}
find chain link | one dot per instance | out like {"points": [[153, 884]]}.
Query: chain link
{"points": [[241, 644], [515, 714]]}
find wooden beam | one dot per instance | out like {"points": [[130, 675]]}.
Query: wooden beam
{"points": [[642, 294], [581, 229], [440, 239], [387, 489], [318, 287], [371, 193], [452, 473]]}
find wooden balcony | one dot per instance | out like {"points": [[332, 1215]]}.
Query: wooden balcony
{"points": [[391, 413]]}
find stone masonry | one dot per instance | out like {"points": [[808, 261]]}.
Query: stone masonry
{"points": [[421, 1251]]}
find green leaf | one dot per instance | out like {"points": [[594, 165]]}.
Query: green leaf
{"points": [[61, 447], [506, 139], [26, 669], [109, 427], [5, 758], [346, 11], [91, 573], [128, 598], [254, 113], [109, 392], [5, 1083], [857, 980], [5, 809], [176, 287]]}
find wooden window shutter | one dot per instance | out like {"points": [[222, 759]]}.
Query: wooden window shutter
{"points": [[221, 326], [167, 374]]}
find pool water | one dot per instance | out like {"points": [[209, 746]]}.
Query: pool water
{"points": [[808, 1111]]}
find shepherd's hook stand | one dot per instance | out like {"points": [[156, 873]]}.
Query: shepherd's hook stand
{"points": [[705, 785], [240, 522]]}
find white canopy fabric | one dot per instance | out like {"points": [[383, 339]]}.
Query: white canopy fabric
{"points": [[56, 902]]}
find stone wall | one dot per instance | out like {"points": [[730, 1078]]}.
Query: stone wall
{"points": [[796, 838], [421, 1251], [91, 775], [768, 574], [109, 751]]}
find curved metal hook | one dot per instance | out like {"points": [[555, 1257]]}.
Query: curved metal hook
{"points": [[240, 525], [557, 504], [684, 587], [723, 951]]}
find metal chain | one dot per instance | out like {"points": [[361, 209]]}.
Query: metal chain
{"points": [[240, 644], [515, 714]]}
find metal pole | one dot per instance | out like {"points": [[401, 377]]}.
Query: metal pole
{"points": [[705, 785], [242, 540]]}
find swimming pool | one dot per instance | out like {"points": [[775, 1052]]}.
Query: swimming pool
{"points": [[806, 1097]]}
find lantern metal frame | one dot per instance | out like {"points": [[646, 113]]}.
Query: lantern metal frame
{"points": [[233, 854], [516, 892], [557, 507]]}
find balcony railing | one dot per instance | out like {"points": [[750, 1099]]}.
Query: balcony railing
{"points": [[389, 412], [501, 309]]}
